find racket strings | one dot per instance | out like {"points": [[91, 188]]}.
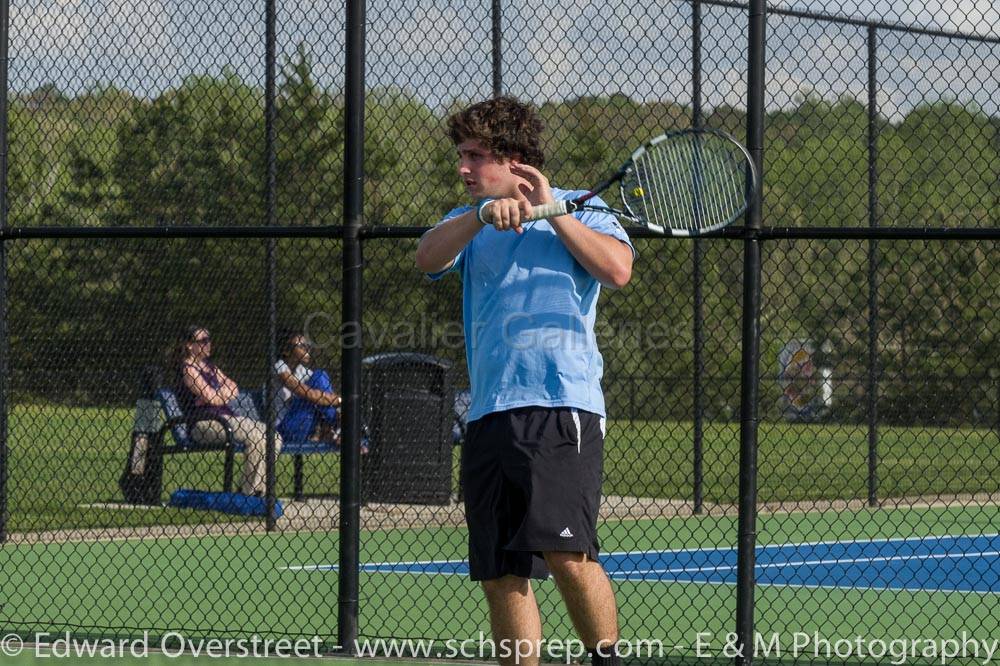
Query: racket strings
{"points": [[690, 183]]}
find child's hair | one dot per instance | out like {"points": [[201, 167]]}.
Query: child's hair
{"points": [[504, 125]]}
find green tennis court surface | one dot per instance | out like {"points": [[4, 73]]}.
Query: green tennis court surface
{"points": [[203, 587]]}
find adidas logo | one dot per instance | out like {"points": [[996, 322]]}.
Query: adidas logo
{"points": [[566, 534]]}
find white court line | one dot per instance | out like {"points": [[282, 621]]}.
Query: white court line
{"points": [[883, 588], [312, 567], [856, 560]]}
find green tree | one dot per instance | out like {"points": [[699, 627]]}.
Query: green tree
{"points": [[193, 156], [310, 146]]}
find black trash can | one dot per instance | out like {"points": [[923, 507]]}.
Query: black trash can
{"points": [[409, 408]]}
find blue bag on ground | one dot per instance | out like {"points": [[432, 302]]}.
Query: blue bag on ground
{"points": [[244, 505]]}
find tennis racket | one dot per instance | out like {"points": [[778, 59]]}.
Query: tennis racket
{"points": [[683, 183]]}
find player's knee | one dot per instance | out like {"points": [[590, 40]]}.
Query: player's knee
{"points": [[568, 565], [506, 585]]}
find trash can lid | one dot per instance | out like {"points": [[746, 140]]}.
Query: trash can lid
{"points": [[387, 359]]}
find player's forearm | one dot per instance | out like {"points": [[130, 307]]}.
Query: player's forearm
{"points": [[439, 246], [606, 258]]}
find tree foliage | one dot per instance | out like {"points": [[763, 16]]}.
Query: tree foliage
{"points": [[195, 155]]}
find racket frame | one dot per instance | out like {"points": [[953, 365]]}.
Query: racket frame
{"points": [[569, 206], [750, 190]]}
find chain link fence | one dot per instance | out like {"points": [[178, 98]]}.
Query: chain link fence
{"points": [[139, 226]]}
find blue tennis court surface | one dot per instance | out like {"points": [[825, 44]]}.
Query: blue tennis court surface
{"points": [[942, 563]]}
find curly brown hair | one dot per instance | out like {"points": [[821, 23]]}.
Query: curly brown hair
{"points": [[504, 125]]}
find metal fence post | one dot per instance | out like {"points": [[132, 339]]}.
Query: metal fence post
{"points": [[872, 387], [496, 13], [4, 342], [350, 462], [696, 258], [747, 527], [271, 288]]}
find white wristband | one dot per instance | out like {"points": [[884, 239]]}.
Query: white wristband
{"points": [[479, 210]]}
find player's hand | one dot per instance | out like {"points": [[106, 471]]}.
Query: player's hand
{"points": [[535, 188], [508, 213]]}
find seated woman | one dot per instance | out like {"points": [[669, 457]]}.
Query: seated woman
{"points": [[305, 400], [204, 393]]}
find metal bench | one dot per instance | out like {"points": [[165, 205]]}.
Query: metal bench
{"points": [[176, 424]]}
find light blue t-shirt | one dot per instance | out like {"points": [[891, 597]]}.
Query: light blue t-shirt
{"points": [[529, 308]]}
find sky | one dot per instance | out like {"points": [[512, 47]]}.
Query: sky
{"points": [[439, 50]]}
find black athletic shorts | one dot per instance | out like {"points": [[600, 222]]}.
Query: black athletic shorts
{"points": [[532, 483]]}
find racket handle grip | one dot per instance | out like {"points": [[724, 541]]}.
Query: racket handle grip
{"points": [[554, 209]]}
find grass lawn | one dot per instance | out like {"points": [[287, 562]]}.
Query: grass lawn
{"points": [[799, 462], [64, 461]]}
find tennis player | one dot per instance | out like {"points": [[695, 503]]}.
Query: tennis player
{"points": [[532, 461]]}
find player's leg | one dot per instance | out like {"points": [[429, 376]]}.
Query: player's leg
{"points": [[561, 453], [514, 620], [494, 510], [589, 599]]}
